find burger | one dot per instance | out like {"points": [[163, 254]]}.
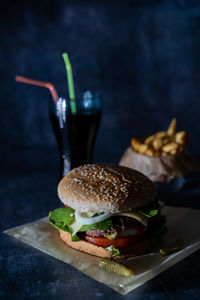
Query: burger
{"points": [[109, 211]]}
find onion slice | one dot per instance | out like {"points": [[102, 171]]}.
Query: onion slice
{"points": [[86, 220]]}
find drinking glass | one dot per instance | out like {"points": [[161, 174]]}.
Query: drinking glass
{"points": [[76, 132]]}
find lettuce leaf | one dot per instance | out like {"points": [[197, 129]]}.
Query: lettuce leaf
{"points": [[75, 238], [150, 210], [62, 217], [104, 225], [114, 250]]}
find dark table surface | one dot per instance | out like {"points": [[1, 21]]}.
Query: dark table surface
{"points": [[27, 273]]}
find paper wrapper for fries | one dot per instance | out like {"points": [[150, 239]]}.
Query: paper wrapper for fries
{"points": [[44, 237], [159, 168]]}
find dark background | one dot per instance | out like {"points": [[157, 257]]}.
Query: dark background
{"points": [[142, 56], [144, 59]]}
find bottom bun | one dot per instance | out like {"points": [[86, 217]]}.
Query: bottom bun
{"points": [[133, 250], [84, 246]]}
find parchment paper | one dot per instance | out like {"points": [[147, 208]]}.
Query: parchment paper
{"points": [[161, 168], [182, 223]]}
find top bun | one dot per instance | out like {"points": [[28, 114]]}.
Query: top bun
{"points": [[105, 188]]}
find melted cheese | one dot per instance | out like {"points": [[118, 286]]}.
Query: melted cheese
{"points": [[74, 227], [135, 215]]}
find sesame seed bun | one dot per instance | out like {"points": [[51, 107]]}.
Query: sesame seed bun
{"points": [[105, 188]]}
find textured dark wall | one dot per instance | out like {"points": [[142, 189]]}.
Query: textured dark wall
{"points": [[142, 56]]}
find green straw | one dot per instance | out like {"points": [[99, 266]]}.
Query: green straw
{"points": [[70, 82]]}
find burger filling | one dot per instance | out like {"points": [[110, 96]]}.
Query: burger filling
{"points": [[118, 225], [112, 231]]}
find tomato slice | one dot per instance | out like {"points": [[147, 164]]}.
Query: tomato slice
{"points": [[120, 242]]}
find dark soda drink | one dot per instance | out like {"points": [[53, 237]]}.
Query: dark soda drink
{"points": [[82, 131], [76, 133]]}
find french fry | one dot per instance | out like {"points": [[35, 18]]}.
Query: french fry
{"points": [[149, 152], [174, 152], [162, 143], [161, 134], [170, 147], [167, 139], [172, 127], [135, 144], [157, 143], [164, 154], [149, 139], [142, 148], [181, 137]]}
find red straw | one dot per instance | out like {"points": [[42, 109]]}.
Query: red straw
{"points": [[45, 84]]}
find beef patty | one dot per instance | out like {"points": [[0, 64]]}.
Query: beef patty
{"points": [[119, 224]]}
